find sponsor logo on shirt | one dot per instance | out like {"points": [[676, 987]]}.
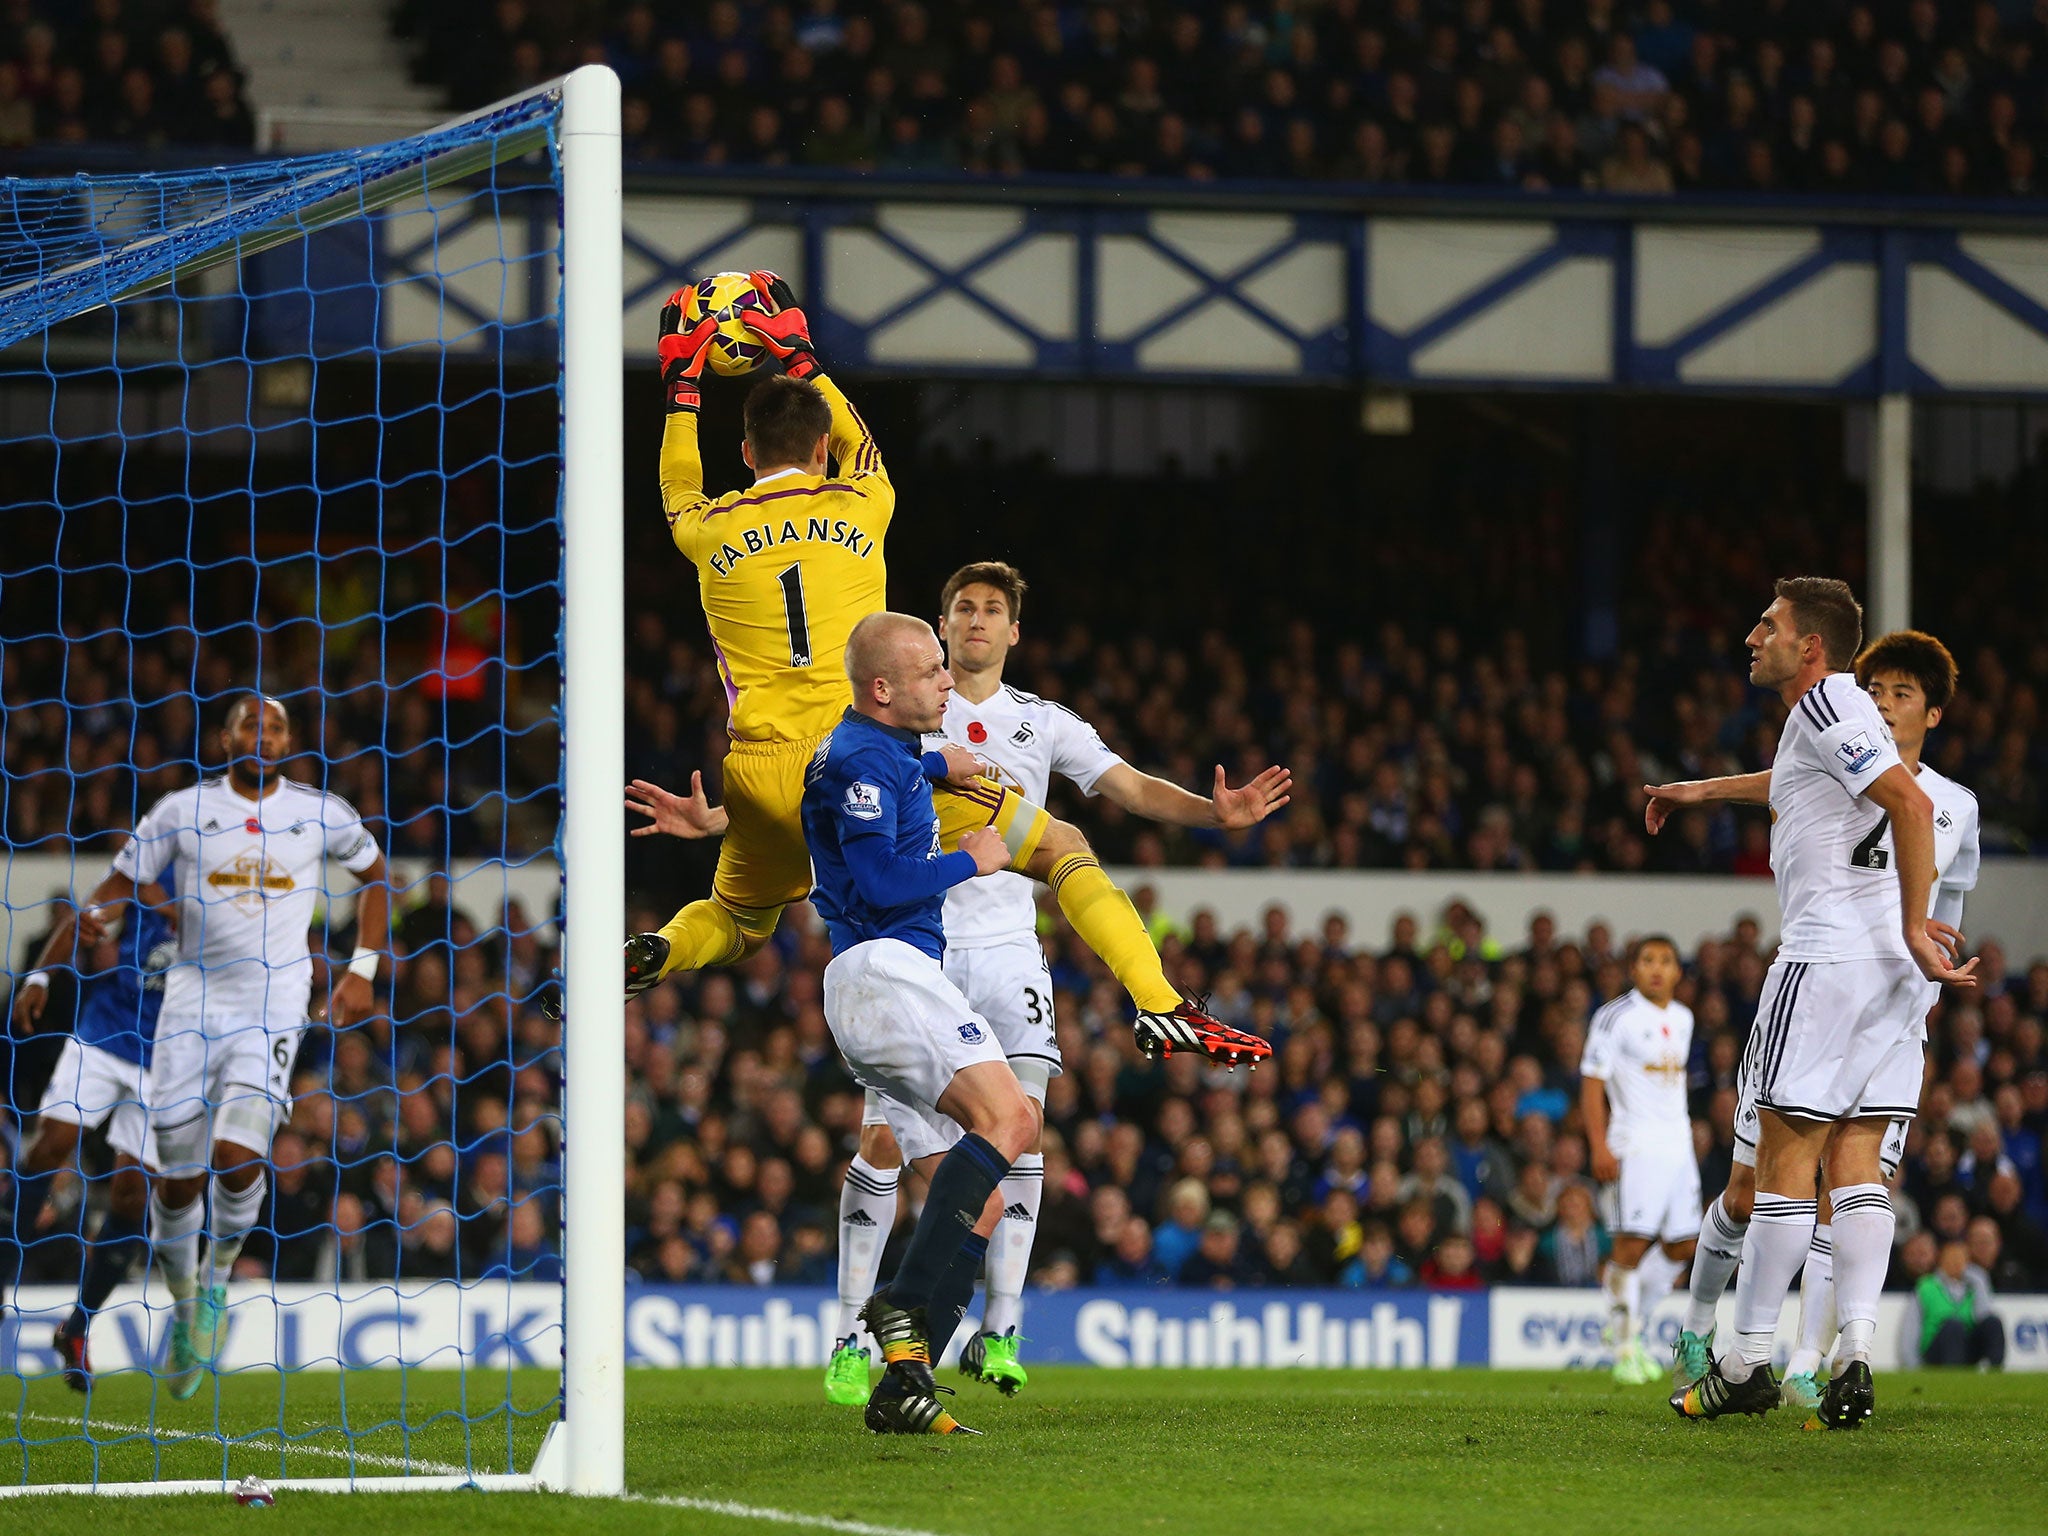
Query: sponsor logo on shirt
{"points": [[251, 880], [863, 802], [1857, 752]]}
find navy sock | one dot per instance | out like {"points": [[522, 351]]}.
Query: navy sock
{"points": [[112, 1259], [960, 1188], [30, 1192], [955, 1291]]}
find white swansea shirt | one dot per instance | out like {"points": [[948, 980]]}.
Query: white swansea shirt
{"points": [[1640, 1052], [1838, 893], [250, 875], [1957, 857], [1024, 740]]}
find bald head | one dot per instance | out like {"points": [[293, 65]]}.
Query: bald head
{"points": [[898, 672]]}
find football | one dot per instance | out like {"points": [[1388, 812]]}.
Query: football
{"points": [[725, 296], [254, 1493]]}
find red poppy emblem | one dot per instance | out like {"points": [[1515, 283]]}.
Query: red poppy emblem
{"points": [[976, 732], [252, 825]]}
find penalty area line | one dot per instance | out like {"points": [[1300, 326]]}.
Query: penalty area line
{"points": [[772, 1516]]}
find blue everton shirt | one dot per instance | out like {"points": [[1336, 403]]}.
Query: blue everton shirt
{"points": [[117, 1009], [874, 838]]}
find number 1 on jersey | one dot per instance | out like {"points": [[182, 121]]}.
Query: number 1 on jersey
{"points": [[799, 625]]}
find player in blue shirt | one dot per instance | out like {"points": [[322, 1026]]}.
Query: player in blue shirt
{"points": [[902, 1026], [101, 1077]]}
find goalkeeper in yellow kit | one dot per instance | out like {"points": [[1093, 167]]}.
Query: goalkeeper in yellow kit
{"points": [[786, 568]]}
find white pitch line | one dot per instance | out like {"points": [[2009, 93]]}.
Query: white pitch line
{"points": [[291, 1447], [773, 1516], [726, 1507]]}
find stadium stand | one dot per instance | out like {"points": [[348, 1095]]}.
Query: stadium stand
{"points": [[144, 73], [1653, 98]]}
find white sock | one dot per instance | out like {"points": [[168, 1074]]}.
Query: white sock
{"points": [[1863, 1252], [1713, 1263], [1816, 1304], [1655, 1276], [867, 1215], [1780, 1233], [235, 1213], [1009, 1249], [174, 1238], [1621, 1288]]}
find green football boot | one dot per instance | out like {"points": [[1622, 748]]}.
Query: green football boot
{"points": [[182, 1367], [1633, 1366], [1690, 1357], [846, 1373], [992, 1358], [210, 1324], [1800, 1391]]}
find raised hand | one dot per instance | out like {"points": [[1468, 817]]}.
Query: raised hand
{"points": [[672, 815], [1252, 804], [682, 352], [782, 328]]}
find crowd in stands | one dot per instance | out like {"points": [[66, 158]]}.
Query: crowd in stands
{"points": [[146, 73], [1419, 1124], [1630, 96]]}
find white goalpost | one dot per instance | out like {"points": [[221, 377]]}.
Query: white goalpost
{"points": [[118, 248]]}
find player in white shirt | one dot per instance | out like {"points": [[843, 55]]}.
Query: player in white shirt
{"points": [[1911, 677], [1632, 1079], [1835, 1055], [250, 850], [993, 954]]}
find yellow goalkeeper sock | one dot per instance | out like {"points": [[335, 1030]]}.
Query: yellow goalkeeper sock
{"points": [[703, 933], [1108, 924]]}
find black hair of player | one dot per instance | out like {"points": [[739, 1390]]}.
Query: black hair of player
{"points": [[1912, 653], [1635, 950], [783, 420], [1000, 574], [1826, 607]]}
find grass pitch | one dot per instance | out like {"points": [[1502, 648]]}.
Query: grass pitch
{"points": [[1087, 1452]]}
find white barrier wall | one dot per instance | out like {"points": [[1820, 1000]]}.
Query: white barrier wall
{"points": [[2010, 903]]}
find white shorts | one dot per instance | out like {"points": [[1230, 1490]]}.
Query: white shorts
{"points": [[1658, 1196], [91, 1085], [1010, 985], [236, 1075], [904, 1029], [1837, 1041]]}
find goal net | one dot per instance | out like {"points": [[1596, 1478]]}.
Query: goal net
{"points": [[342, 433]]}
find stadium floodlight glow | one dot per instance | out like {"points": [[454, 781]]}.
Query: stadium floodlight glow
{"points": [[136, 297]]}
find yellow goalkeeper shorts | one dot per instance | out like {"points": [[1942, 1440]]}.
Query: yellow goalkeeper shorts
{"points": [[764, 863]]}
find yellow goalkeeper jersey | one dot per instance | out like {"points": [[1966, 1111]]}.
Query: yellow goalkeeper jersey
{"points": [[786, 568]]}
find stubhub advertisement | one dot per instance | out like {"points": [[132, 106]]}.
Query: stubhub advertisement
{"points": [[500, 1324]]}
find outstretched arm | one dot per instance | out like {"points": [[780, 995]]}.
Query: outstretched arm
{"points": [[1157, 800], [1741, 788], [682, 353]]}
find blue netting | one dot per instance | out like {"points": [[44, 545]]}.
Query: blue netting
{"points": [[290, 426]]}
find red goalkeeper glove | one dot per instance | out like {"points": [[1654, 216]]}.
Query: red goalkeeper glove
{"points": [[683, 353], [783, 329]]}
